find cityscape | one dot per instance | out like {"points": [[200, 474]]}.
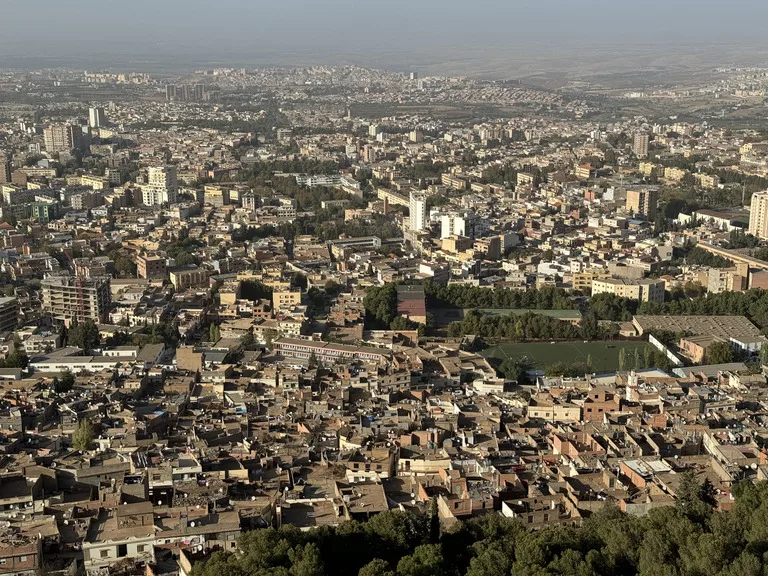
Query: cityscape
{"points": [[370, 320]]}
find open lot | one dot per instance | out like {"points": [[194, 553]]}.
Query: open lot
{"points": [[605, 355]]}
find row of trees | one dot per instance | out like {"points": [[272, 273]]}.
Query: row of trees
{"points": [[528, 326], [686, 539], [466, 296]]}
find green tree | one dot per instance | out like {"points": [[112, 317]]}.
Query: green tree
{"points": [[720, 353], [84, 335], [83, 435], [376, 567], [622, 359], [65, 383], [426, 560], [214, 333]]}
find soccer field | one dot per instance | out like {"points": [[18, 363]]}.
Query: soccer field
{"points": [[605, 355]]}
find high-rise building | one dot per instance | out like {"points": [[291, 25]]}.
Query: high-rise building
{"points": [[96, 117], [9, 314], [63, 138], [640, 145], [5, 169], [418, 211], [643, 202], [162, 186], [758, 215], [67, 298]]}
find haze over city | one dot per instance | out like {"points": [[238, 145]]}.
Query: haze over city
{"points": [[428, 33]]}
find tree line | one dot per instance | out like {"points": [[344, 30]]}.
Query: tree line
{"points": [[688, 538]]}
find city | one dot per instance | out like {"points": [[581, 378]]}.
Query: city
{"points": [[337, 319]]}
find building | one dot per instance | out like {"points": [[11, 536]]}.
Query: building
{"points": [[418, 211], [640, 290], [217, 196], [66, 298], [96, 117], [643, 202], [5, 170], [9, 314], [328, 352], [640, 145], [453, 224], [758, 215], [63, 138], [162, 186], [150, 267], [188, 277], [286, 299]]}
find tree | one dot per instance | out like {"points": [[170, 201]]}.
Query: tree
{"points": [[622, 359], [426, 560], [214, 333], [720, 353], [83, 435], [376, 567], [65, 383], [84, 335], [764, 354], [400, 323]]}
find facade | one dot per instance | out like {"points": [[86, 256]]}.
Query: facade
{"points": [[150, 267], [162, 186], [640, 145], [67, 298], [418, 211], [192, 277], [9, 314], [327, 351], [96, 117], [63, 138], [643, 202], [758, 215], [640, 290]]}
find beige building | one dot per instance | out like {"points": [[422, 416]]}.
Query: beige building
{"points": [[286, 299], [758, 215], [640, 145], [640, 290], [183, 278], [643, 202]]}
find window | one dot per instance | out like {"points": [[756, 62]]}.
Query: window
{"points": [[23, 558], [105, 553], [530, 519], [140, 548]]}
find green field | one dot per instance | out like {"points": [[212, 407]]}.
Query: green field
{"points": [[605, 355]]}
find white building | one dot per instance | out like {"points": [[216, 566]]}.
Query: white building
{"points": [[418, 211], [162, 186], [96, 117]]}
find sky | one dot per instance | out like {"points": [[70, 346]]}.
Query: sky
{"points": [[329, 29]]}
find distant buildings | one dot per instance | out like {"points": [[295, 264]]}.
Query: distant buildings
{"points": [[9, 314], [758, 215]]}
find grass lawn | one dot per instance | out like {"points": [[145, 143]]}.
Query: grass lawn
{"points": [[605, 355]]}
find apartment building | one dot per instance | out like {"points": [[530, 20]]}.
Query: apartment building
{"points": [[67, 298], [640, 290]]}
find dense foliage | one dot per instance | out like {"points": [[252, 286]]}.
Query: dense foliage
{"points": [[466, 296], [753, 304], [687, 539]]}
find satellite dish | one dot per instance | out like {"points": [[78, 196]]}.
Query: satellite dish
{"points": [[192, 524], [159, 502]]}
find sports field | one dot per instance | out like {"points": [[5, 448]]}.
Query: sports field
{"points": [[605, 355]]}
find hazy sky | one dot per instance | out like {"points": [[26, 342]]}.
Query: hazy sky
{"points": [[323, 28]]}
